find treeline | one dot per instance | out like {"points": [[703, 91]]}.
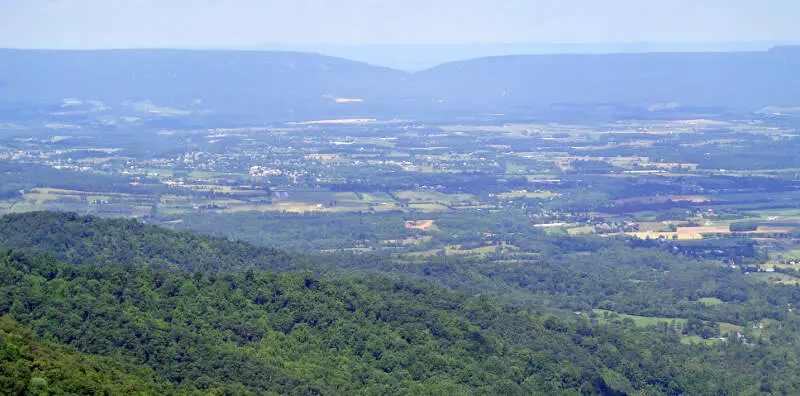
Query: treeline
{"points": [[298, 232], [15, 177]]}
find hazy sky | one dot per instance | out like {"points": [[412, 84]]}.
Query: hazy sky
{"points": [[242, 23]]}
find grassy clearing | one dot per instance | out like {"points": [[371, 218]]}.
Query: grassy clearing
{"points": [[415, 240], [780, 215], [425, 196], [159, 172], [513, 168], [795, 254], [313, 196], [457, 250], [775, 278], [385, 207], [710, 301], [640, 321], [212, 175], [580, 230], [728, 328], [43, 198], [479, 251], [653, 226], [646, 321], [555, 230], [376, 198], [775, 264], [429, 207], [424, 253], [221, 189]]}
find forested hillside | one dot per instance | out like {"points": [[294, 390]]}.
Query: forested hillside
{"points": [[29, 365], [179, 312], [257, 332], [572, 273], [120, 242]]}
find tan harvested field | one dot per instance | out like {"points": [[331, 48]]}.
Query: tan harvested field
{"points": [[424, 225], [686, 233], [726, 230], [665, 234], [703, 230]]}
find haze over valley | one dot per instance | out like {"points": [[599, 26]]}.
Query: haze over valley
{"points": [[434, 211], [288, 86]]}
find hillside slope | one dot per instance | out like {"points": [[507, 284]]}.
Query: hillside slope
{"points": [[571, 273], [199, 312], [29, 365], [88, 240], [258, 333]]}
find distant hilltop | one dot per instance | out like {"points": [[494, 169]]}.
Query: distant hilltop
{"points": [[296, 86], [418, 57], [785, 48]]}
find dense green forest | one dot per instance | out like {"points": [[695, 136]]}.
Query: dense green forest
{"points": [[568, 273], [31, 366], [120, 242], [258, 332], [139, 308]]}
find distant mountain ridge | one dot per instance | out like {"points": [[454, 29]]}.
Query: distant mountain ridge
{"points": [[418, 57], [225, 81], [290, 85], [742, 80]]}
